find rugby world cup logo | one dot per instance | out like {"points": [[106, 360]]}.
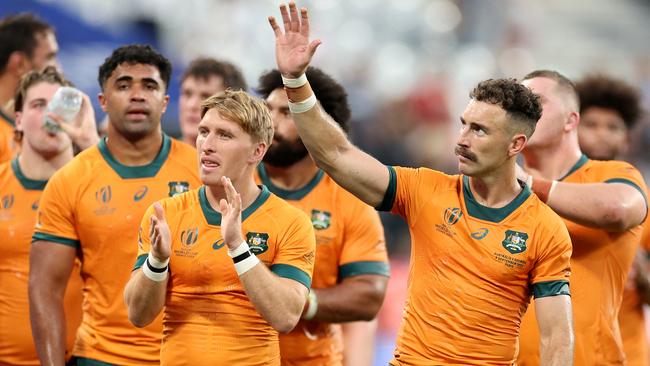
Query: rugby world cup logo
{"points": [[189, 236], [452, 215], [7, 201], [104, 194]]}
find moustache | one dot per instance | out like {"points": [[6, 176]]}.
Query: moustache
{"points": [[462, 151]]}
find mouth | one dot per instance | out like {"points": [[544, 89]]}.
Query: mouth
{"points": [[137, 113], [209, 164], [463, 154]]}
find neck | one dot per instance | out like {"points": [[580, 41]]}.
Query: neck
{"points": [[37, 167], [496, 189], [248, 191], [292, 177], [552, 162], [134, 153]]}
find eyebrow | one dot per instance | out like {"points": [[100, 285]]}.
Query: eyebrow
{"points": [[482, 126], [130, 78], [39, 100]]}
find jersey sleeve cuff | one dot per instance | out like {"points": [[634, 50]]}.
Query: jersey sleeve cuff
{"points": [[551, 288], [55, 239], [363, 268], [389, 197], [635, 186], [293, 273]]}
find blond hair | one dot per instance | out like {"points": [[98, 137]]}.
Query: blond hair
{"points": [[244, 109]]}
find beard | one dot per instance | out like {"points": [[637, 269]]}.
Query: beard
{"points": [[284, 153]]}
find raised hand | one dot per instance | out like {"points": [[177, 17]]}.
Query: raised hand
{"points": [[83, 129], [293, 51], [159, 234], [230, 215]]}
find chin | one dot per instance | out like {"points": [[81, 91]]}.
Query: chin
{"points": [[210, 179]]}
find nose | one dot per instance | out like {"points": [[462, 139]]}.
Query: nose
{"points": [[463, 140], [136, 94]]}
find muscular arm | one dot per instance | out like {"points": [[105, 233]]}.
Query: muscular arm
{"points": [[555, 323], [279, 300], [353, 169], [144, 298], [350, 167], [355, 298], [610, 206], [50, 267]]}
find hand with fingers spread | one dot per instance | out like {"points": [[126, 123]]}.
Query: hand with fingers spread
{"points": [[159, 234], [230, 215], [83, 129], [293, 51]]}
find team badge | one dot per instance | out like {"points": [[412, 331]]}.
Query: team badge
{"points": [[515, 241], [257, 242], [178, 188], [320, 219]]}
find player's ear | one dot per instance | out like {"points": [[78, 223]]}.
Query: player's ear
{"points": [[517, 144], [258, 152], [102, 101]]}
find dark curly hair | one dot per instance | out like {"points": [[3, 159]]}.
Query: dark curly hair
{"points": [[609, 93], [329, 93], [18, 33], [520, 104], [205, 67], [135, 54]]}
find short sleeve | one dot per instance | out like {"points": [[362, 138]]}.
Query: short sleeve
{"points": [[144, 241], [550, 276], [296, 250], [364, 246], [56, 213]]}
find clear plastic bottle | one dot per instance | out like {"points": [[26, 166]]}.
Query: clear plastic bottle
{"points": [[65, 103]]}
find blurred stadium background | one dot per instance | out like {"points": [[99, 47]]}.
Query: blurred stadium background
{"points": [[408, 65]]}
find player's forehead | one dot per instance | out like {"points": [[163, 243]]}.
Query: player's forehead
{"points": [[41, 90], [136, 72]]}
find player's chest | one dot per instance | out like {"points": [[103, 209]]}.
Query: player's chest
{"points": [[447, 235], [200, 255], [114, 205], [18, 210]]}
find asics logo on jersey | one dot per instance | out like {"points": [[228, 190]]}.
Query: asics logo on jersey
{"points": [[35, 206], [104, 194], [452, 215], [515, 241], [7, 201], [258, 242], [189, 236], [140, 193], [480, 233], [178, 188], [320, 219], [218, 244]]}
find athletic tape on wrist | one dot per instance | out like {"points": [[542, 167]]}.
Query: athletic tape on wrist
{"points": [[304, 106], [294, 83], [313, 306], [154, 269], [243, 259]]}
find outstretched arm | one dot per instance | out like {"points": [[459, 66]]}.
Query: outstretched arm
{"points": [[353, 169], [555, 323]]}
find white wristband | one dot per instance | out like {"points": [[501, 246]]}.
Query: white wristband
{"points": [[553, 184], [154, 269], [243, 258], [313, 306], [294, 83], [304, 106]]}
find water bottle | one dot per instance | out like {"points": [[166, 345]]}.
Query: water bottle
{"points": [[65, 103]]}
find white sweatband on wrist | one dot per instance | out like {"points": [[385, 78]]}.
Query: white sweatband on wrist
{"points": [[154, 269], [553, 184], [294, 83], [304, 106], [313, 306], [243, 258]]}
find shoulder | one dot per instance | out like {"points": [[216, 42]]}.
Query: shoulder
{"points": [[82, 166], [284, 212]]}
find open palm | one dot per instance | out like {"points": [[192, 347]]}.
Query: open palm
{"points": [[293, 51], [230, 215]]}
